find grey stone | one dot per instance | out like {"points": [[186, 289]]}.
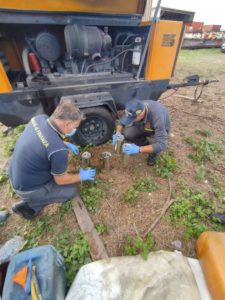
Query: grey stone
{"points": [[3, 215], [177, 245], [6, 130]]}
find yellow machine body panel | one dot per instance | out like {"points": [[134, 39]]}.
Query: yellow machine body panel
{"points": [[12, 50], [163, 49], [82, 6], [5, 86], [210, 248]]}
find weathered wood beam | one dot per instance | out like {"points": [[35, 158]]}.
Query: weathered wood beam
{"points": [[97, 247]]}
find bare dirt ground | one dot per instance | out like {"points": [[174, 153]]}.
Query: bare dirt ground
{"points": [[121, 217]]}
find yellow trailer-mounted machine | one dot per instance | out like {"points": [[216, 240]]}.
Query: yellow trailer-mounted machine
{"points": [[97, 52]]}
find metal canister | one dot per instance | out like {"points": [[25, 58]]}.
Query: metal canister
{"points": [[86, 156], [106, 156], [126, 158], [119, 143]]}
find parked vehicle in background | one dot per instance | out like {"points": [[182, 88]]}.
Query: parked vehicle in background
{"points": [[223, 48]]}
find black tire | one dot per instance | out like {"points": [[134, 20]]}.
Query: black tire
{"points": [[97, 128]]}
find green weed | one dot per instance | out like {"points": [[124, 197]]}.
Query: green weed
{"points": [[91, 196], [216, 187], [166, 165], [85, 148], [181, 182], [203, 150], [11, 139], [200, 175], [9, 147], [131, 195], [11, 191], [143, 185], [222, 139], [3, 176], [65, 208], [134, 246], [191, 209], [30, 241], [146, 185], [102, 228], [34, 230], [75, 251], [205, 133]]}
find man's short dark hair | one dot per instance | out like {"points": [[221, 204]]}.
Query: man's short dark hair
{"points": [[67, 110]]}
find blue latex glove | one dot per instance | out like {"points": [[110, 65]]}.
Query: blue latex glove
{"points": [[131, 149], [114, 137], [87, 174], [73, 148]]}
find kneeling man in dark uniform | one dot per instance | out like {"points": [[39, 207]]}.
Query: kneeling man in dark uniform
{"points": [[38, 169], [146, 125]]}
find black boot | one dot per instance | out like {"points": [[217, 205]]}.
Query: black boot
{"points": [[218, 217], [23, 209], [151, 159]]}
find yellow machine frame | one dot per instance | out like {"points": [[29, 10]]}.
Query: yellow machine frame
{"points": [[82, 6]]}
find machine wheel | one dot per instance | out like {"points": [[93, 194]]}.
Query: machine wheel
{"points": [[97, 128]]}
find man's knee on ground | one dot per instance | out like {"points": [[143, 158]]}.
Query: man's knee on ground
{"points": [[71, 192]]}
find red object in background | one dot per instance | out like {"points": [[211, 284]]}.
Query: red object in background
{"points": [[194, 26], [212, 27], [34, 63]]}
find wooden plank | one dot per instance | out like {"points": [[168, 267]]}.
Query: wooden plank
{"points": [[97, 247]]}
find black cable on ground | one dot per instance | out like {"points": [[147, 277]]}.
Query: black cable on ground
{"points": [[175, 90], [200, 93]]}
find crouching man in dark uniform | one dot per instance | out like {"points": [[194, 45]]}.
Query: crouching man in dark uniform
{"points": [[38, 169], [146, 125]]}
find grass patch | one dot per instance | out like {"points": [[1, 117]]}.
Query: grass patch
{"points": [[204, 133], [143, 185], [131, 195], [137, 245], [146, 185], [75, 251], [166, 165], [91, 195], [216, 187], [11, 138], [86, 148], [65, 208], [34, 230], [192, 209], [203, 150], [102, 228], [200, 174], [3, 176]]}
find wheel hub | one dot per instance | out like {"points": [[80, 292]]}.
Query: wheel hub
{"points": [[93, 128]]}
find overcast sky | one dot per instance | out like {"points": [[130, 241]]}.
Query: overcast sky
{"points": [[209, 12]]}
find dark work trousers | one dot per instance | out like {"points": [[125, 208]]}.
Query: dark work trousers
{"points": [[137, 134], [47, 194]]}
